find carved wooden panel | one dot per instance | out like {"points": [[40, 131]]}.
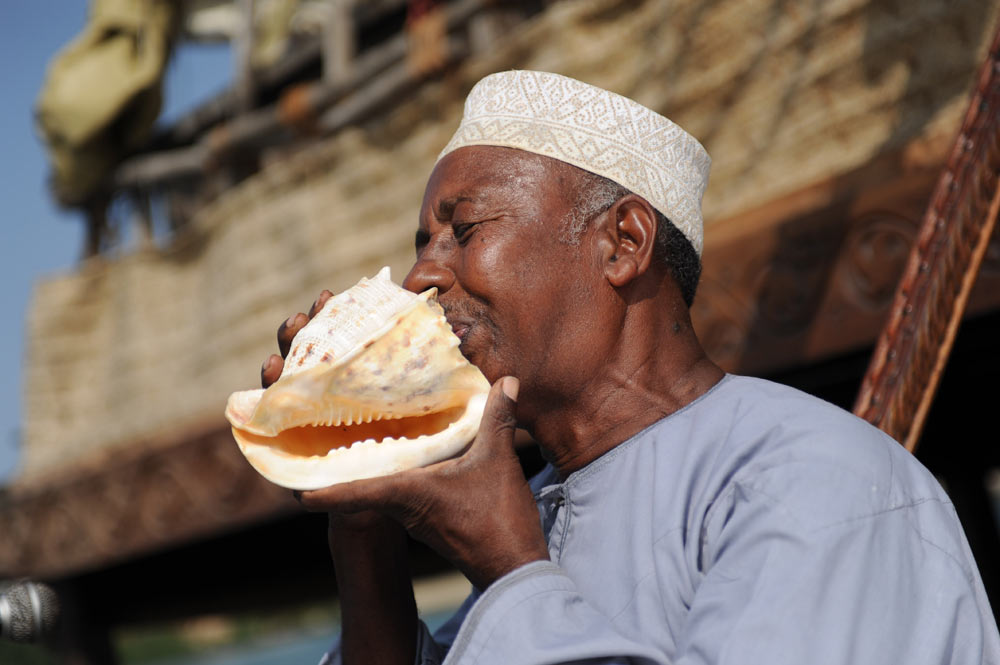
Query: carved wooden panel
{"points": [[812, 275]]}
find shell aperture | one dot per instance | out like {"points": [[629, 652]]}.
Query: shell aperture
{"points": [[373, 384]]}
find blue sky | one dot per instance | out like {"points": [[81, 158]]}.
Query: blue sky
{"points": [[40, 239]]}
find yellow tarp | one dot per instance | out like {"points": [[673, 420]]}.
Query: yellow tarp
{"points": [[102, 93]]}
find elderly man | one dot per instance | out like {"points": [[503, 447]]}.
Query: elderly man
{"points": [[686, 515]]}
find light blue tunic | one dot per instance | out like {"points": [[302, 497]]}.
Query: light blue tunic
{"points": [[758, 525]]}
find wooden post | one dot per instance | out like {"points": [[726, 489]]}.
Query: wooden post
{"points": [[242, 54], [95, 212], [338, 42], [142, 220]]}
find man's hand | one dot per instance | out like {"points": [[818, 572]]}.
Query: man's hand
{"points": [[476, 510]]}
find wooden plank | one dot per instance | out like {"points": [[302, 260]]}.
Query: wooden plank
{"points": [[119, 505]]}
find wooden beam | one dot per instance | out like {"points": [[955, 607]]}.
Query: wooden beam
{"points": [[380, 91], [257, 129], [124, 503]]}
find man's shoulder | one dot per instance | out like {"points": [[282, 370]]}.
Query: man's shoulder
{"points": [[811, 456], [772, 415], [767, 401]]}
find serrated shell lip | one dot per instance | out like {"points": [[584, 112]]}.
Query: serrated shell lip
{"points": [[380, 458]]}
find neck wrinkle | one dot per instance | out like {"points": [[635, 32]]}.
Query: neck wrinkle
{"points": [[639, 385]]}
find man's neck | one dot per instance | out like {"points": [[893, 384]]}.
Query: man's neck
{"points": [[642, 382]]}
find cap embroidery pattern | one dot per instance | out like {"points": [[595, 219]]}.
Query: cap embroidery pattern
{"points": [[593, 129]]}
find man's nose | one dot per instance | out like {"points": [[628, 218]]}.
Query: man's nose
{"points": [[427, 273]]}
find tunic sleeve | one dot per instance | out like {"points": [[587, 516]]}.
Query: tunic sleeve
{"points": [[535, 615]]}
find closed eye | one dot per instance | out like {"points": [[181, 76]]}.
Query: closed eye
{"points": [[421, 239], [462, 231]]}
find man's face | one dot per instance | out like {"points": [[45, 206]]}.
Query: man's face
{"points": [[489, 240]]}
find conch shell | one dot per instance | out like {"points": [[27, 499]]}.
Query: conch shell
{"points": [[372, 385]]}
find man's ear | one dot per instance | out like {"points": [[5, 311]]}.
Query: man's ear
{"points": [[626, 240]]}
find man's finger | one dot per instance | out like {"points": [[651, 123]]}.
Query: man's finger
{"points": [[318, 305], [270, 371], [372, 494], [499, 418], [293, 324], [287, 331]]}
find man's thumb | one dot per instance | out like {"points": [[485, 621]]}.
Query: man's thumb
{"points": [[510, 385], [499, 420]]}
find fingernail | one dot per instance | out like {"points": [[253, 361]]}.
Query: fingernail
{"points": [[290, 320], [265, 364], [510, 386]]}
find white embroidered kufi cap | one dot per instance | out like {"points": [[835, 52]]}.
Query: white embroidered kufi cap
{"points": [[595, 130]]}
